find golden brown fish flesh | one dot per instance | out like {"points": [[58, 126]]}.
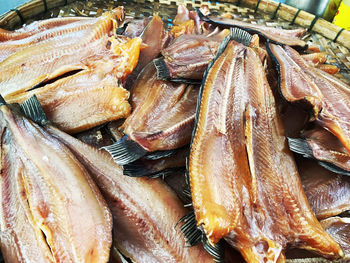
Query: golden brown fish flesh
{"points": [[49, 59], [162, 117], [51, 210], [244, 182], [144, 211]]}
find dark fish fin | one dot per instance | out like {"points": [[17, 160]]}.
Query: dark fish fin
{"points": [[163, 72], [195, 236], [241, 36], [138, 169], [166, 172], [125, 151], [2, 101], [302, 147], [121, 30], [160, 154], [32, 109], [186, 81]]}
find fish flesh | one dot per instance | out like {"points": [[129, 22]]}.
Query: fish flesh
{"points": [[84, 100], [328, 193], [188, 56], [144, 211], [156, 38], [51, 210], [330, 69], [276, 35], [318, 143], [12, 46], [47, 60], [244, 182], [38, 27], [316, 58], [135, 27], [148, 129], [325, 95]]}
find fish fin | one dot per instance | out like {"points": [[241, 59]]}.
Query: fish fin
{"points": [[240, 36], [186, 81], [32, 109], [2, 101], [121, 30], [137, 169], [166, 172], [302, 147], [163, 72], [195, 235], [125, 151], [160, 154]]}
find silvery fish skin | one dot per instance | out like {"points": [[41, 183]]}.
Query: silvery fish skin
{"points": [[50, 59], [144, 211], [328, 193], [244, 182], [326, 96], [51, 210]]}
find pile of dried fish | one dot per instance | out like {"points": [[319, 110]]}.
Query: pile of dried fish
{"points": [[213, 105]]}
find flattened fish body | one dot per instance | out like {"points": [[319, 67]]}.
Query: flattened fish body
{"points": [[39, 63], [145, 211], [82, 101], [51, 210], [9, 47], [328, 96], [328, 193], [244, 182], [150, 99]]}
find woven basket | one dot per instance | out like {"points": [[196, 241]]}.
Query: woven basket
{"points": [[330, 38]]}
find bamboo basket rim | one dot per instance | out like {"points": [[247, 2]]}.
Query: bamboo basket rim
{"points": [[18, 16]]}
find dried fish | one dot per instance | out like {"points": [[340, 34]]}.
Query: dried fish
{"points": [[315, 58], [144, 211], [328, 193], [148, 129], [327, 96], [40, 63], [51, 210], [244, 182], [277, 35]]}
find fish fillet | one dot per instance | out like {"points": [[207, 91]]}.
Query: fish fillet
{"points": [[244, 182], [51, 210]]}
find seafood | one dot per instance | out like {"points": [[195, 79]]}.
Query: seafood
{"points": [[148, 129], [135, 27], [145, 230], [244, 181], [47, 60], [320, 144], [51, 210], [326, 95], [97, 137], [328, 193], [82, 101], [188, 56], [316, 58], [38, 27], [9, 47], [282, 36]]}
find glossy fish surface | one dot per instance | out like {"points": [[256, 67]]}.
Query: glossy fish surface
{"points": [[49, 59], [244, 182], [327, 96], [144, 211], [328, 193], [51, 210]]}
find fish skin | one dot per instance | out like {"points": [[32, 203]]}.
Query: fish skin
{"points": [[36, 64], [248, 192], [37, 27], [52, 192], [150, 98], [10, 47], [146, 211], [328, 193], [328, 96], [326, 147]]}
